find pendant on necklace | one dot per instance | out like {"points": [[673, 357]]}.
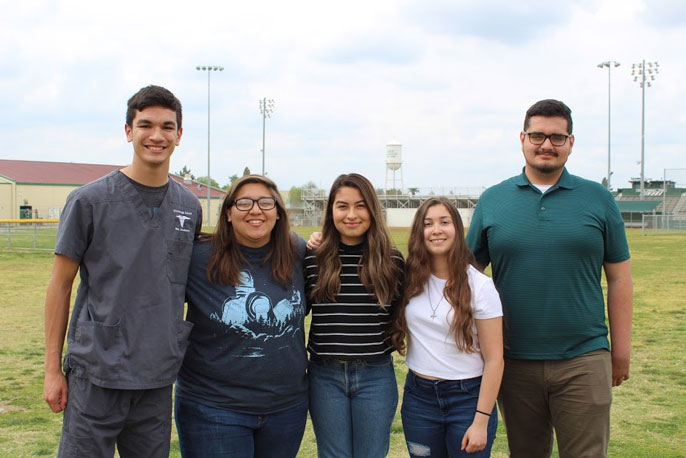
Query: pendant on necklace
{"points": [[433, 309]]}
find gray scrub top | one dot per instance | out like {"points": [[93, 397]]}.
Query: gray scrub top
{"points": [[127, 329]]}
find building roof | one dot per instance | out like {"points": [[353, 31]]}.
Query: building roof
{"points": [[199, 189], [41, 172], [77, 174], [637, 206]]}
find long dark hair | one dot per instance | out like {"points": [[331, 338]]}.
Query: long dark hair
{"points": [[378, 272], [417, 272], [225, 262]]}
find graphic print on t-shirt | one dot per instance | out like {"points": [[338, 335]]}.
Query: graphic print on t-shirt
{"points": [[254, 313]]}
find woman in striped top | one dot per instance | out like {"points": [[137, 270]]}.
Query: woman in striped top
{"points": [[353, 282]]}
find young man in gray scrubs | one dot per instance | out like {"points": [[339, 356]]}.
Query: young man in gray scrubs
{"points": [[130, 235]]}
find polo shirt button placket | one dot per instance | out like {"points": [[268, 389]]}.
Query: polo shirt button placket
{"points": [[542, 208]]}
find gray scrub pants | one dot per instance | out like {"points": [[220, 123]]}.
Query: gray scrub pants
{"points": [[96, 418]]}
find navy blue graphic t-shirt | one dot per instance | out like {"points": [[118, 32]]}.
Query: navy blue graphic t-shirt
{"points": [[247, 350]]}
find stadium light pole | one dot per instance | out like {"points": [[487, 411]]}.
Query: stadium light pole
{"points": [[609, 64], [266, 108], [644, 73], [209, 69]]}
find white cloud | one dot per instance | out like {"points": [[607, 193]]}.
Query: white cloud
{"points": [[449, 80]]}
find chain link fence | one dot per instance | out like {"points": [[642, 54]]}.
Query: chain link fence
{"points": [[663, 224], [28, 234]]}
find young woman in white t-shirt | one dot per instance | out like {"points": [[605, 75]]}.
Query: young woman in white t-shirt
{"points": [[450, 325]]}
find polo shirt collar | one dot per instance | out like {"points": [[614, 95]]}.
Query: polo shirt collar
{"points": [[566, 180]]}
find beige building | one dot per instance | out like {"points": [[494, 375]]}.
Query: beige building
{"points": [[37, 189]]}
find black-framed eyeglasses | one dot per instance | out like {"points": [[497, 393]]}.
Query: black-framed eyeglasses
{"points": [[245, 204], [538, 138]]}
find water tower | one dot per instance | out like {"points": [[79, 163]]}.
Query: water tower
{"points": [[394, 163]]}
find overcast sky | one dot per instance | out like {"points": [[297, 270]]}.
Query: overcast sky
{"points": [[450, 80]]}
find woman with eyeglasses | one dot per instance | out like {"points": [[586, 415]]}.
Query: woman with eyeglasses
{"points": [[242, 388], [450, 324]]}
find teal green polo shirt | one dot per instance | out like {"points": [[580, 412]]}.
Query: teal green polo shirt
{"points": [[547, 252]]}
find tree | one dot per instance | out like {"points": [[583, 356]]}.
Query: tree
{"points": [[604, 181], [232, 179], [413, 191], [295, 194], [203, 180], [185, 171], [246, 171]]}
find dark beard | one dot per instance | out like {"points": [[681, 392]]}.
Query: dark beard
{"points": [[546, 167]]}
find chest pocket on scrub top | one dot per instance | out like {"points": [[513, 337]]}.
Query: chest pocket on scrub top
{"points": [[178, 259]]}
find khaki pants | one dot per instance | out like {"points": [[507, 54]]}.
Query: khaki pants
{"points": [[571, 396]]}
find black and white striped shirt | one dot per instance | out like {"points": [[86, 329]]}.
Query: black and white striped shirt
{"points": [[354, 326]]}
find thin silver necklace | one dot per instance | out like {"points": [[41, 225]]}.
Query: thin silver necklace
{"points": [[428, 293]]}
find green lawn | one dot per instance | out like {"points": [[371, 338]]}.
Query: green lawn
{"points": [[28, 236], [648, 413]]}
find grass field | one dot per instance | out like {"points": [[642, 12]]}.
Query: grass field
{"points": [[28, 236], [648, 413]]}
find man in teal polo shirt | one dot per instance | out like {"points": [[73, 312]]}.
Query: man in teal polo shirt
{"points": [[549, 235]]}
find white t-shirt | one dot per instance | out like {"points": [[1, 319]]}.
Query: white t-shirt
{"points": [[431, 348], [543, 187]]}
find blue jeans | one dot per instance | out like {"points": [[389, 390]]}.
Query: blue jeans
{"points": [[209, 432], [436, 414], [352, 405]]}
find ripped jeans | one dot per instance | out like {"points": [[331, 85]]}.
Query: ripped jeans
{"points": [[436, 414]]}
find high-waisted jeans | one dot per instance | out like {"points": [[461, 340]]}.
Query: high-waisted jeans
{"points": [[352, 405]]}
